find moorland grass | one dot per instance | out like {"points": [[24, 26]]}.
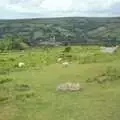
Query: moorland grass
{"points": [[32, 95]]}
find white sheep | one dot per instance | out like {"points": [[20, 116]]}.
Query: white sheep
{"points": [[65, 64], [21, 64], [59, 60]]}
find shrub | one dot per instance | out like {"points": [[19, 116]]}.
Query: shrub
{"points": [[67, 49], [12, 59], [24, 96], [5, 80], [4, 71], [2, 99], [23, 46], [110, 74], [12, 42]]}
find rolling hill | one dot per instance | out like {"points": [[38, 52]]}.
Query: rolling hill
{"points": [[72, 29]]}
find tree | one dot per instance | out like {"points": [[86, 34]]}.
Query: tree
{"points": [[2, 45], [12, 42]]}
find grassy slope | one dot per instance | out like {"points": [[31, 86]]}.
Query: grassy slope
{"points": [[42, 102]]}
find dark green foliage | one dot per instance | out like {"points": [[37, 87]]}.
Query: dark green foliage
{"points": [[10, 42], [67, 49], [76, 30], [12, 59], [5, 80], [3, 99]]}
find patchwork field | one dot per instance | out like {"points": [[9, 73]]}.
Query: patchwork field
{"points": [[29, 92]]}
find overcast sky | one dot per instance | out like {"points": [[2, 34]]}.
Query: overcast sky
{"points": [[14, 9]]}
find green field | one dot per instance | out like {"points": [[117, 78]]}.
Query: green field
{"points": [[29, 93]]}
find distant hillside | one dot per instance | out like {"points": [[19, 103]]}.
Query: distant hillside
{"points": [[74, 30]]}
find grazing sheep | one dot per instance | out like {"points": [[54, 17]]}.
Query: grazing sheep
{"points": [[65, 64], [69, 87], [59, 60], [21, 64], [109, 49]]}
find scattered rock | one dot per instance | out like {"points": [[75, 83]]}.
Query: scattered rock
{"points": [[69, 87], [109, 49], [65, 64]]}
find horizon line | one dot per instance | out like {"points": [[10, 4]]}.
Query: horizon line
{"points": [[59, 17]]}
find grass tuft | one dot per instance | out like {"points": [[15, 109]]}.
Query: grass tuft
{"points": [[5, 80], [22, 87]]}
